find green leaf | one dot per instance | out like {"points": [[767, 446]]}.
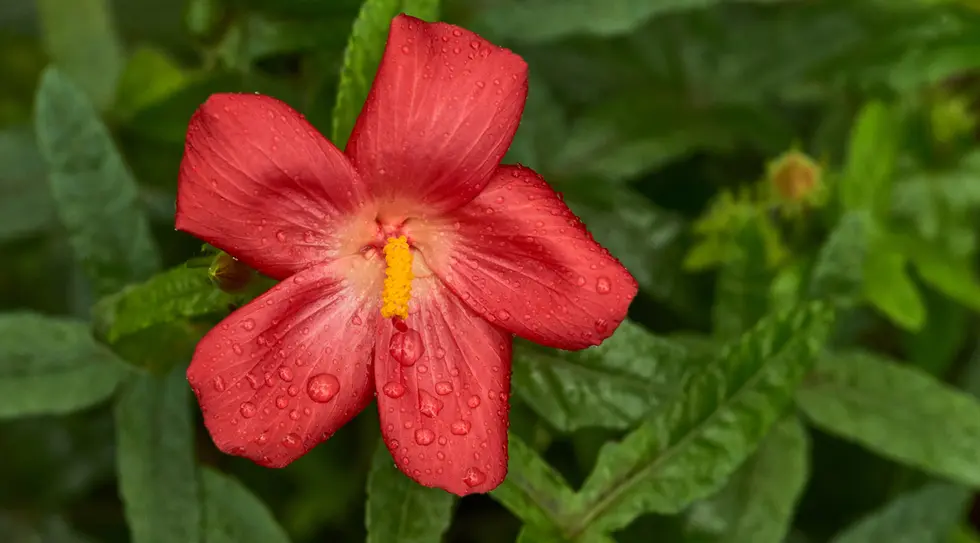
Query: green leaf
{"points": [[52, 366], [613, 385], [758, 503], [688, 449], [952, 276], [176, 294], [25, 201], [872, 152], [80, 38], [533, 490], [742, 293], [897, 412], [929, 514], [149, 77], [890, 289], [363, 54], [544, 20], [155, 460], [232, 514], [399, 509], [838, 273], [96, 198]]}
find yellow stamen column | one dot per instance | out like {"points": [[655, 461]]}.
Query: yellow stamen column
{"points": [[398, 278]]}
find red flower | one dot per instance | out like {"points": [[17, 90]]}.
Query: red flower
{"points": [[406, 263]]}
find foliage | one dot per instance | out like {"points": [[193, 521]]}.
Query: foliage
{"points": [[794, 186]]}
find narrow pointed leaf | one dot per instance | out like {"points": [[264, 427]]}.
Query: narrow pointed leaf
{"points": [[611, 386], [533, 490], [399, 509], [232, 514], [95, 196], [687, 450], [896, 411], [52, 366], [838, 274], [155, 460], [758, 503], [872, 152]]}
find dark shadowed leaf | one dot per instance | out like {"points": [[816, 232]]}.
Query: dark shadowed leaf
{"points": [[399, 509], [158, 481], [838, 273], [533, 490], [95, 196], [613, 385], [52, 365], [25, 200], [232, 514], [927, 515]]}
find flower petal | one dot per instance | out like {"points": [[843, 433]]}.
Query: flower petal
{"points": [[444, 416], [518, 256], [285, 371], [261, 183], [442, 112]]}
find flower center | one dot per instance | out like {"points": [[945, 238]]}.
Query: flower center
{"points": [[398, 278]]}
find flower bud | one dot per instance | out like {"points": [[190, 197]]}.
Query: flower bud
{"points": [[794, 176], [229, 274]]}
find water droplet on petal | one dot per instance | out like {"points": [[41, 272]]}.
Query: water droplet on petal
{"points": [[293, 441], [429, 405], [285, 374], [322, 387], [218, 383], [473, 402], [282, 402], [603, 285], [406, 347], [248, 410], [281, 236], [474, 477], [503, 315], [237, 349], [460, 427], [424, 436], [248, 324], [443, 388], [393, 390]]}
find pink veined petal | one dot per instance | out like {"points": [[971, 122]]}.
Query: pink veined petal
{"points": [[285, 371], [520, 258], [261, 183], [442, 112], [444, 415]]}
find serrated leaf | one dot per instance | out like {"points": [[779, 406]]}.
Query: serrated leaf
{"points": [[399, 509], [533, 490], [897, 412], [927, 515], [25, 201], [80, 37], [363, 54], [158, 481], [95, 196], [890, 289], [758, 503], [872, 152], [176, 294], [52, 366], [742, 293], [232, 514], [613, 385], [688, 449], [838, 273]]}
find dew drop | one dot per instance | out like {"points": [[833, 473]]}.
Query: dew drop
{"points": [[218, 383], [503, 315], [293, 441], [443, 440], [601, 326], [285, 374], [248, 410], [406, 347], [603, 285], [294, 415], [424, 436], [237, 349], [356, 320], [248, 324], [429, 405], [457, 32], [460, 427], [293, 390], [282, 402], [473, 402], [322, 387], [474, 477], [281, 236], [393, 390], [443, 388]]}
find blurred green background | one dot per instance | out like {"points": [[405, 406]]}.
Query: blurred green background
{"points": [[714, 146]]}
